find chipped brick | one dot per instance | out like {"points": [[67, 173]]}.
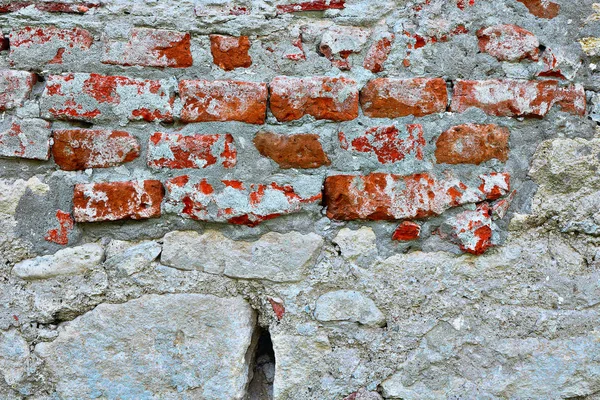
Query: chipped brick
{"points": [[47, 45], [150, 48], [394, 98], [472, 144], [508, 43], [381, 196], [239, 202], [378, 53], [176, 151], [339, 42], [230, 52], [278, 307], [25, 138], [79, 149], [335, 99], [223, 101], [542, 8], [517, 98], [293, 151], [407, 231], [312, 5], [60, 235], [472, 230], [112, 201], [93, 97], [15, 88]]}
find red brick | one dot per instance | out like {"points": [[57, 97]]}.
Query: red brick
{"points": [[516, 98], [472, 144], [49, 6], [60, 235], [339, 42], [394, 98], [472, 230], [378, 53], [292, 151], [150, 48], [335, 99], [387, 143], [312, 5], [462, 4], [382, 196], [15, 88], [542, 8], [25, 138], [112, 201], [238, 202], [278, 307], [552, 62], [407, 231], [230, 52], [79, 149], [93, 97], [205, 101], [508, 43], [176, 151], [49, 45], [299, 54]]}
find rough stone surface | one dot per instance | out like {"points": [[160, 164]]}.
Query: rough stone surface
{"points": [[348, 305], [174, 346]]}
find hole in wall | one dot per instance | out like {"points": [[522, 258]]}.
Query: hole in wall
{"points": [[263, 368]]}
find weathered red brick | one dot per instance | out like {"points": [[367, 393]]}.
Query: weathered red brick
{"points": [[79, 149], [239, 202], [230, 52], [47, 45], [112, 201], [542, 8], [462, 4], [49, 6], [387, 143], [417, 41], [150, 48], [278, 307], [312, 5], [394, 98], [25, 138], [339, 42], [177, 151], [4, 43], [298, 54], [378, 53], [508, 43], [500, 208], [381, 196], [472, 144], [516, 98], [223, 101], [472, 230], [93, 97], [552, 63], [407, 231], [60, 235], [335, 99], [15, 88], [292, 151]]}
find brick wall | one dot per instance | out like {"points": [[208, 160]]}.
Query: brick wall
{"points": [[409, 127]]}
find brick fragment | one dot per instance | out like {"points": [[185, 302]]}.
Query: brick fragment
{"points": [[205, 101], [230, 52], [388, 143], [472, 230], [150, 48], [79, 149], [49, 6], [93, 97], [293, 151], [176, 151], [394, 98], [25, 138], [381, 196], [508, 43], [338, 42], [335, 99], [312, 5], [60, 235], [407, 231], [15, 88], [238, 202], [47, 45], [378, 53], [112, 201], [542, 8], [517, 98], [472, 144], [278, 307]]}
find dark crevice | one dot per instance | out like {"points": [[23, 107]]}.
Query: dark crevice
{"points": [[263, 368]]}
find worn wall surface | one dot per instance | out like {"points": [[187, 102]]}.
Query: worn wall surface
{"points": [[319, 199]]}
